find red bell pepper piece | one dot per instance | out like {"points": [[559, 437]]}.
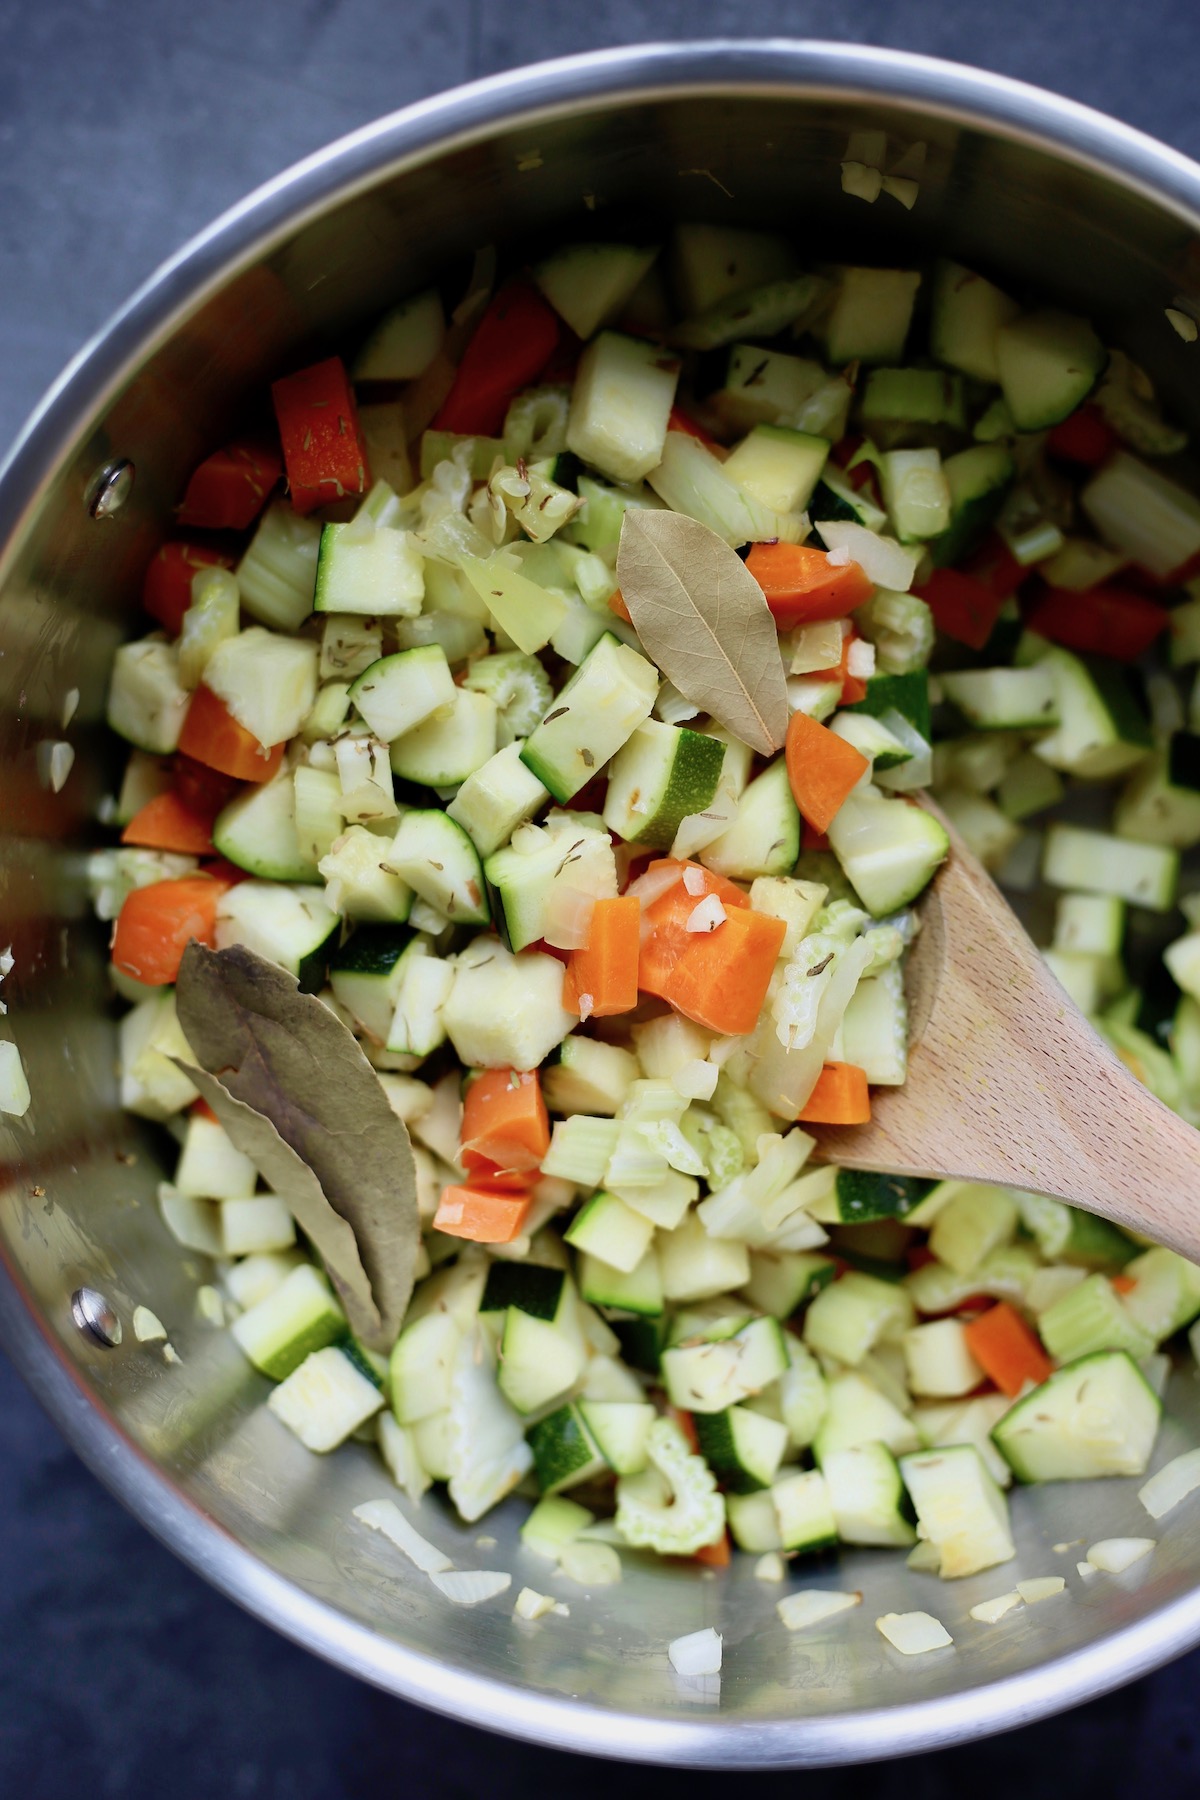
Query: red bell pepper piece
{"points": [[680, 421], [1085, 437], [167, 588], [962, 606], [1102, 621], [203, 790], [995, 566], [513, 342], [229, 488], [324, 451]]}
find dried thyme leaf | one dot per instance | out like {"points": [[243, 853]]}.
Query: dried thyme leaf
{"points": [[705, 621], [286, 1057]]}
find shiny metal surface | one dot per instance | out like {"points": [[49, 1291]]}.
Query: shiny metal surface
{"points": [[93, 1314], [1036, 191]]}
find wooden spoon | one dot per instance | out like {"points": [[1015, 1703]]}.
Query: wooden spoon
{"points": [[1007, 1081]]}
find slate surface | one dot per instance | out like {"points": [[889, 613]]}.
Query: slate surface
{"points": [[126, 125]]}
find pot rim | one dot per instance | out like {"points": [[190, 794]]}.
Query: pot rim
{"points": [[771, 67]]}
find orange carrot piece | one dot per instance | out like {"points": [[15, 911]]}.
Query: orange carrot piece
{"points": [[156, 924], [616, 604], [1006, 1349], [505, 1119], [822, 768], [803, 587], [665, 935], [721, 978], [606, 969], [481, 1172], [839, 1098], [1123, 1284], [486, 1217], [715, 1556], [213, 736], [165, 823], [229, 489]]}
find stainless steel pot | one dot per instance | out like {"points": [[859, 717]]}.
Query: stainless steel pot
{"points": [[1031, 188]]}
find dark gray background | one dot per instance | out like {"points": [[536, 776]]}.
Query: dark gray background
{"points": [[125, 125]]}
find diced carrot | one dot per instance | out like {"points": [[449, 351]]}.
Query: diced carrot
{"points": [[505, 1118], [606, 969], [822, 769], [202, 790], [165, 823], [1084, 437], [513, 342], [324, 451], [1123, 1284], [157, 923], [616, 604], [687, 1425], [811, 839], [715, 1556], [203, 1110], [212, 735], [963, 607], [486, 1217], [229, 489], [483, 1173], [681, 421], [721, 979], [840, 1097], [664, 931], [803, 587], [1006, 1349], [1103, 621], [167, 588]]}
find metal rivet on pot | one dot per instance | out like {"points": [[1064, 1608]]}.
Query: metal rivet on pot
{"points": [[110, 488], [93, 1314]]}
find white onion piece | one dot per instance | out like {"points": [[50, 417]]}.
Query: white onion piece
{"points": [[913, 1633], [385, 1516], [1040, 1587], [568, 917], [532, 1605], [1112, 1555], [14, 1088], [707, 915], [467, 1587], [769, 1567], [988, 1612], [652, 886], [699, 1653], [698, 830], [812, 1606], [860, 659], [589, 1563], [881, 559], [1086, 1570], [147, 1326], [695, 881], [1171, 1484]]}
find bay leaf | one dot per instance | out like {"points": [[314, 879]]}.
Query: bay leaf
{"points": [[285, 1056], [705, 621], [286, 1175]]}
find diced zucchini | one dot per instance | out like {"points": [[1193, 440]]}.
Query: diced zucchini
{"points": [[620, 1430], [450, 745], [967, 314], [288, 925], [764, 386], [710, 262], [277, 575], [693, 481], [496, 798], [611, 1232], [778, 466], [661, 774], [1101, 731], [939, 1361], [856, 1412], [598, 710], [367, 568], [1160, 804], [268, 682], [912, 397], [1005, 699], [764, 839], [325, 1399], [848, 1319], [870, 316], [887, 848], [257, 831], [804, 1512], [1098, 863], [505, 1011], [1096, 1417], [1144, 513], [742, 1447], [870, 1505], [620, 403], [399, 692], [147, 703], [589, 1077], [706, 1377], [1048, 363], [404, 342], [564, 1451], [360, 883], [296, 1318], [960, 1509], [761, 311], [436, 858], [639, 1291], [366, 973]]}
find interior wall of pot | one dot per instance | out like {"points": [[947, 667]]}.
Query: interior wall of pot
{"points": [[78, 1202]]}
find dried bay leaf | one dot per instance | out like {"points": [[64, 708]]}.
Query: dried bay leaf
{"points": [[705, 621], [286, 1057], [294, 1182]]}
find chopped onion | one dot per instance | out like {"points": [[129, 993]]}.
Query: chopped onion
{"points": [[1040, 1587], [902, 189], [209, 1306], [568, 917], [54, 763], [811, 1606], [653, 885], [586, 1004], [864, 183], [1112, 1555], [385, 1516], [147, 1326], [769, 1567], [881, 559], [532, 1605], [913, 1633], [695, 881], [1086, 1570], [672, 707], [1183, 323], [70, 706], [14, 1088], [699, 1653], [589, 1563], [467, 1587], [1171, 1484], [860, 659], [837, 559], [696, 1080], [989, 1611], [708, 915]]}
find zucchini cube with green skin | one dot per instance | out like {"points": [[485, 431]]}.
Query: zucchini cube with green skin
{"points": [[978, 480], [433, 855], [863, 1195], [1097, 1416], [961, 1510], [398, 692], [417, 1027], [610, 694], [496, 798], [762, 386], [288, 925], [619, 1429], [967, 314], [782, 1280], [297, 1318], [638, 1291], [277, 573], [743, 1448], [326, 1399], [552, 1525], [1101, 731], [1005, 699], [527, 878], [870, 316], [856, 1412], [761, 311], [609, 1230], [661, 774], [405, 341], [1099, 863], [708, 1377], [620, 403], [764, 839], [422, 1364], [588, 284], [695, 1266], [316, 811], [360, 881], [711, 262], [541, 1292], [564, 1451], [1160, 804], [366, 974], [847, 1320], [778, 466], [267, 681], [589, 1077], [753, 1521], [913, 397], [867, 1495], [367, 568], [1048, 363], [887, 849], [257, 831], [450, 744], [804, 1512], [692, 481]]}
